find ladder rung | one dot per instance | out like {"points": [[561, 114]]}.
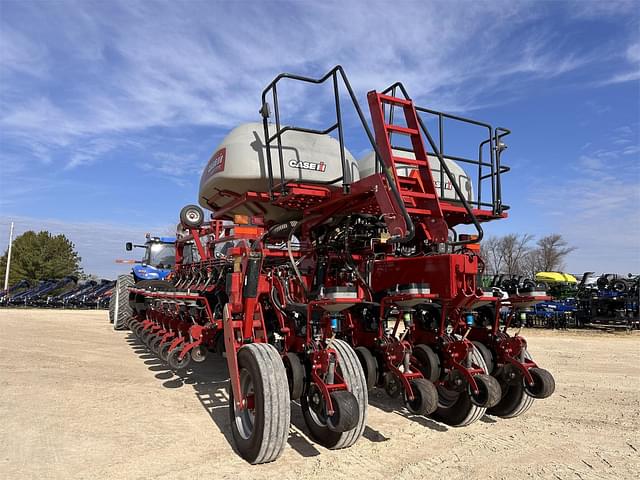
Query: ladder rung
{"points": [[409, 193], [410, 161], [395, 100], [408, 180], [419, 211], [403, 130]]}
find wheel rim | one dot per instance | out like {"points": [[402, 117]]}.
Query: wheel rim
{"points": [[316, 407], [245, 417], [193, 215]]}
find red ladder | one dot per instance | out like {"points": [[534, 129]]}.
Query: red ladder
{"points": [[418, 191]]}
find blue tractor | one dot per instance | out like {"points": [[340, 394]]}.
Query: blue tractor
{"points": [[157, 262]]}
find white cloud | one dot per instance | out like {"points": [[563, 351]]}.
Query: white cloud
{"points": [[133, 66]]}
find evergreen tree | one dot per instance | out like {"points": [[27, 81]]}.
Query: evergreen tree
{"points": [[39, 256]]}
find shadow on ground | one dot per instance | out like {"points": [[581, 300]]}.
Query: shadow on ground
{"points": [[378, 398], [209, 381]]}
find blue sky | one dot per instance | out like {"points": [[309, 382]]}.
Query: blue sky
{"points": [[109, 110]]}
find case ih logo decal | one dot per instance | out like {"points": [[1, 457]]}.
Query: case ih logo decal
{"points": [[318, 167], [216, 164]]}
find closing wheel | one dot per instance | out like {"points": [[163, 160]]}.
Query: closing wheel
{"points": [[191, 216], [145, 336], [543, 383], [199, 354], [351, 370], [489, 391], [428, 362], [296, 375], [425, 399], [153, 344], [174, 360], [514, 401], [455, 407], [163, 353], [345, 411], [369, 366], [260, 430]]}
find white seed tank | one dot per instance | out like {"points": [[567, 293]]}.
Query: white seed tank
{"points": [[367, 165], [239, 165]]}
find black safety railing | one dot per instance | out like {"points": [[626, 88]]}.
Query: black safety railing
{"points": [[493, 166], [337, 76]]}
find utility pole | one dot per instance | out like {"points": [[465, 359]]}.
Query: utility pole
{"points": [[6, 274]]}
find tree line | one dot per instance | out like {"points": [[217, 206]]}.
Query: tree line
{"points": [[514, 254]]}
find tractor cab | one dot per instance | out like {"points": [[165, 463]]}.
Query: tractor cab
{"points": [[158, 260]]}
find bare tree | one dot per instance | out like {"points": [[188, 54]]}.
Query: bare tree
{"points": [[550, 254], [492, 255], [506, 254], [515, 248]]}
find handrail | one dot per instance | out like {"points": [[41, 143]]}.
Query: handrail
{"points": [[333, 74]]}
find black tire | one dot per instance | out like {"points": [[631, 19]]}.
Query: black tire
{"points": [[353, 375], [369, 366], [619, 286], [486, 355], [261, 439], [544, 384], [456, 408], [119, 302], [425, 399], [429, 363], [514, 401], [489, 391], [296, 375], [191, 216], [163, 353], [153, 344], [199, 354], [345, 416], [174, 361]]}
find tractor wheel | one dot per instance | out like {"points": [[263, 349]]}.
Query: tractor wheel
{"points": [[429, 363], [119, 301], [486, 355], [112, 305], [261, 430], [192, 216], [456, 408], [369, 366], [296, 375], [515, 400], [324, 431], [425, 399], [174, 360]]}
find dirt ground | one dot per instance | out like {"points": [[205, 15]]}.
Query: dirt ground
{"points": [[79, 400]]}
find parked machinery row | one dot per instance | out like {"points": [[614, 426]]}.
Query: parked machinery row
{"points": [[64, 293], [324, 277]]}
